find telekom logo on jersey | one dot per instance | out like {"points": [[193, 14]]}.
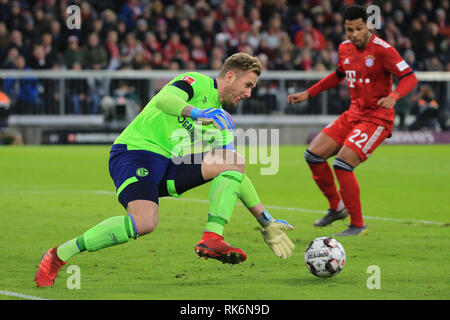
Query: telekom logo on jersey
{"points": [[351, 78]]}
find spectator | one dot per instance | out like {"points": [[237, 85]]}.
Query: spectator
{"points": [[17, 42], [113, 50], [93, 54], [130, 48], [29, 32], [284, 60], [417, 35], [175, 49], [157, 61], [208, 32], [184, 30], [15, 20], [50, 53], [139, 61], [97, 27], [57, 37], [162, 32], [25, 91], [170, 18], [182, 9], [41, 22], [96, 89], [130, 13], [230, 30], [11, 56], [216, 64], [218, 54], [297, 25], [254, 34], [77, 89], [239, 18], [121, 31], [426, 110], [73, 53], [5, 37], [88, 14], [318, 41], [198, 53], [274, 32], [410, 58], [39, 59], [403, 108], [305, 61], [51, 96], [151, 44], [441, 20], [109, 19], [267, 51], [141, 29], [286, 44], [434, 64]]}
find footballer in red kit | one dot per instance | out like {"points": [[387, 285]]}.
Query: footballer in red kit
{"points": [[367, 64]]}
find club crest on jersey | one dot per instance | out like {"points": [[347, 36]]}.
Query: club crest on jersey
{"points": [[188, 79], [370, 60]]}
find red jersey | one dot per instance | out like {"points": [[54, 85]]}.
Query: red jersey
{"points": [[368, 73]]}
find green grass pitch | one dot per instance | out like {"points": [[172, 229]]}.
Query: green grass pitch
{"points": [[49, 195]]}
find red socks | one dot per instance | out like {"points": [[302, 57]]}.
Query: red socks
{"points": [[349, 188], [323, 176], [349, 191]]}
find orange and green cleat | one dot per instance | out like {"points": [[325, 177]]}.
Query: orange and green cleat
{"points": [[213, 246], [48, 269]]}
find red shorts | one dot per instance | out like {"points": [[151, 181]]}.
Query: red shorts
{"points": [[363, 137]]}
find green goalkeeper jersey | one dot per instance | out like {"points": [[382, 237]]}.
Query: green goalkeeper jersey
{"points": [[168, 133]]}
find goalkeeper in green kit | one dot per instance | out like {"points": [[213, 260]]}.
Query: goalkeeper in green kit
{"points": [[146, 162]]}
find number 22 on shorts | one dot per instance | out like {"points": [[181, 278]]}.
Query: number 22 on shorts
{"points": [[358, 137]]}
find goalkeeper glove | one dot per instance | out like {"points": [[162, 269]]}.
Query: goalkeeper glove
{"points": [[274, 235], [219, 117]]}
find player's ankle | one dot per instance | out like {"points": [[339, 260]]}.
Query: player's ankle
{"points": [[211, 235]]}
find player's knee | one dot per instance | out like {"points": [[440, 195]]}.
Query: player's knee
{"points": [[233, 161], [339, 164], [223, 160], [312, 158], [145, 215], [148, 226], [238, 162]]}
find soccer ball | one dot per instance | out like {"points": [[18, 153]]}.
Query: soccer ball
{"points": [[325, 257]]}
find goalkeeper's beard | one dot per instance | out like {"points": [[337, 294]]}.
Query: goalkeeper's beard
{"points": [[227, 103], [227, 100]]}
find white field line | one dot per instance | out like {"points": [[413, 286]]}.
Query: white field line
{"points": [[281, 208], [20, 295]]}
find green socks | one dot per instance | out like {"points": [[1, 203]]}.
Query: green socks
{"points": [[223, 196], [110, 232], [68, 250], [248, 194]]}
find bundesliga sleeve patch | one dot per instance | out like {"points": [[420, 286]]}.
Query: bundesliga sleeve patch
{"points": [[402, 65], [188, 79]]}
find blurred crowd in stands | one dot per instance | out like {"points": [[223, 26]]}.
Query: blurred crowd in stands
{"points": [[200, 34]]}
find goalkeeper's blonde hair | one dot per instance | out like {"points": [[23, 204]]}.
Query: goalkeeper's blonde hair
{"points": [[239, 62]]}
